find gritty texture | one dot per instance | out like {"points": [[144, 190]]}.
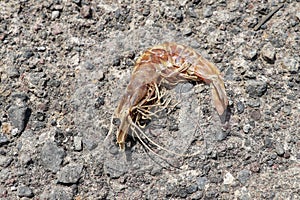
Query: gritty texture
{"points": [[64, 65]]}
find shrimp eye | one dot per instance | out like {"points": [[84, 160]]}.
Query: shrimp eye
{"points": [[116, 121]]}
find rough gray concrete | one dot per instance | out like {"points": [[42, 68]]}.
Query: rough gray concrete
{"points": [[64, 65]]}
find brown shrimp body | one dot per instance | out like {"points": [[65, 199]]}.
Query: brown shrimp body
{"points": [[169, 63]]}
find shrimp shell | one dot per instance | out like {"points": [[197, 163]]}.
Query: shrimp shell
{"points": [[167, 63]]}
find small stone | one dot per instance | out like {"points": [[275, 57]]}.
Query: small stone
{"points": [[195, 44], [70, 174], [256, 115], [268, 53], [279, 149], [13, 72], [28, 54], [57, 192], [243, 176], [5, 161], [52, 156], [77, 143], [19, 117], [229, 179], [171, 26], [192, 188], [86, 11], [240, 107], [146, 11], [197, 195], [251, 21], [97, 75], [291, 64], [113, 169], [41, 49], [256, 88], [55, 14], [56, 29], [191, 12], [270, 163], [183, 88], [179, 16], [250, 53], [24, 191], [156, 171], [187, 31], [2, 36], [182, 193], [233, 5], [268, 142], [255, 167], [76, 1], [89, 143], [89, 66], [202, 182], [221, 135], [253, 103], [207, 12], [25, 158], [286, 155], [116, 61], [247, 128], [3, 191], [99, 102], [3, 139]]}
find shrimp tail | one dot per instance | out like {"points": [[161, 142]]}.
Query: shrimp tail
{"points": [[219, 96]]}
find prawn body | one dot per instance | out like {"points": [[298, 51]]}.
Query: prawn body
{"points": [[168, 63]]}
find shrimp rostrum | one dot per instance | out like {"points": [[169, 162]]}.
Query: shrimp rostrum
{"points": [[168, 63]]}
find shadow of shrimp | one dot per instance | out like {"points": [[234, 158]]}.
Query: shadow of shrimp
{"points": [[168, 63]]}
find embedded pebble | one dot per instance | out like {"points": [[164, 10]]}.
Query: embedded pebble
{"points": [[86, 11], [52, 156], [57, 192], [89, 143], [13, 72], [28, 53], [24, 191], [77, 143], [202, 182], [246, 128], [70, 173], [41, 48], [19, 117], [229, 179], [256, 88], [25, 158], [253, 103], [113, 169], [207, 11], [187, 31], [243, 176], [279, 149], [240, 107], [5, 161], [88, 65], [191, 189], [250, 53], [255, 114], [221, 135], [55, 14], [184, 88], [146, 11], [3, 139], [291, 64], [268, 53]]}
